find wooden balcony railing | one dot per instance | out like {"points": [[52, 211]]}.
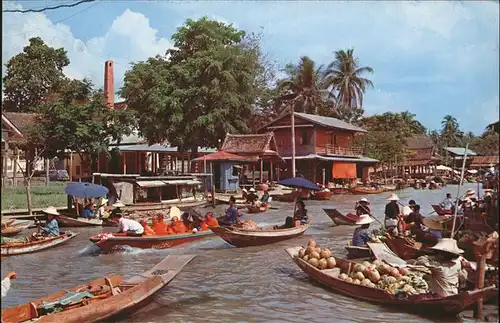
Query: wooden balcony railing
{"points": [[339, 151]]}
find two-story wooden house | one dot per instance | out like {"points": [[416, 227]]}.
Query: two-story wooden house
{"points": [[324, 146]]}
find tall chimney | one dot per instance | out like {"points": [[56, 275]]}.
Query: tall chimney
{"points": [[109, 84]]}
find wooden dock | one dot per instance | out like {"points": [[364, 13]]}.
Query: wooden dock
{"points": [[22, 214]]}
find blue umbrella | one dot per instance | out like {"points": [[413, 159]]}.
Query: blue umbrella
{"points": [[299, 182], [86, 190]]}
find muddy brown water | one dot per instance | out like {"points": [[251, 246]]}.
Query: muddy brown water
{"points": [[223, 283]]}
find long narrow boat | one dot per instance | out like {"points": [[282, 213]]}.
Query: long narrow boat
{"points": [[439, 211], [17, 248], [287, 197], [406, 248], [249, 238], [15, 228], [257, 209], [71, 221], [339, 190], [7, 222], [104, 299], [354, 252], [323, 195], [431, 305], [341, 219], [109, 243], [365, 190]]}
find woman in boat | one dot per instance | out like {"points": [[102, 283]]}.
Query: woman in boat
{"points": [[88, 210], [101, 211], [51, 228], [362, 234], [232, 213], [265, 198], [127, 227], [362, 207], [448, 269], [6, 283], [252, 197], [392, 214], [244, 194], [299, 218]]}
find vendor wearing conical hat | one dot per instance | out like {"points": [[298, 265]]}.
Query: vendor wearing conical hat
{"points": [[362, 234], [51, 228], [392, 213], [362, 207], [448, 271]]}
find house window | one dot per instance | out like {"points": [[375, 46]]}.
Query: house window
{"points": [[305, 138], [236, 170]]}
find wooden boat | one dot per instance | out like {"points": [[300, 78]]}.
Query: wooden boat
{"points": [[304, 194], [223, 199], [322, 195], [354, 252], [406, 248], [439, 210], [15, 228], [365, 190], [339, 190], [451, 305], [10, 249], [7, 222], [248, 238], [257, 209], [341, 219], [287, 197], [117, 243], [116, 297], [389, 188], [65, 220]]}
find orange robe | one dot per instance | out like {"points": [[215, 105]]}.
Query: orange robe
{"points": [[178, 227], [209, 222], [147, 230]]}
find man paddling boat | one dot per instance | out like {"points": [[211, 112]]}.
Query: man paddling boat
{"points": [[362, 235], [391, 213], [51, 228], [362, 207]]}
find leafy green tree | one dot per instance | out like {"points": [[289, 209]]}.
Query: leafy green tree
{"points": [[205, 89], [450, 131], [415, 126], [486, 144], [33, 75], [344, 78]]}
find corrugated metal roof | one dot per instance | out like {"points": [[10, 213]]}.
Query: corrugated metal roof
{"points": [[340, 159], [159, 148], [330, 122], [459, 151], [151, 183], [182, 182], [148, 184]]}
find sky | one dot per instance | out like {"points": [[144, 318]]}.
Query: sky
{"points": [[430, 58]]}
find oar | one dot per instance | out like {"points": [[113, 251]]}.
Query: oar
{"points": [[369, 213]]}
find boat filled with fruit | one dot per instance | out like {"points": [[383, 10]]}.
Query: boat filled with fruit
{"points": [[380, 282]]}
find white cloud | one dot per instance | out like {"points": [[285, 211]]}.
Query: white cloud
{"points": [[129, 38]]}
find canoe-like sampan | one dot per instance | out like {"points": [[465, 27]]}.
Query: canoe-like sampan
{"points": [[102, 299], [432, 305], [73, 221], [437, 208], [115, 243], [16, 227], [323, 195], [246, 238], [341, 219], [257, 209], [365, 190], [10, 249]]}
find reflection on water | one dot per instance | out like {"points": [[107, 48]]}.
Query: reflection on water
{"points": [[222, 284]]}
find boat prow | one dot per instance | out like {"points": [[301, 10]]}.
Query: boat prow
{"points": [[121, 297], [250, 238], [339, 218]]}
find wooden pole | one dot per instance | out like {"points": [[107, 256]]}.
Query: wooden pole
{"points": [[253, 174], [5, 162], [70, 166], [293, 139], [14, 166], [480, 270], [261, 170], [458, 190], [271, 172], [323, 174]]}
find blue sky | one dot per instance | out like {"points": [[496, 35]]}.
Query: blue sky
{"points": [[431, 58]]}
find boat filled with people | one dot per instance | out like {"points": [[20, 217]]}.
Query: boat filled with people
{"points": [[102, 299]]}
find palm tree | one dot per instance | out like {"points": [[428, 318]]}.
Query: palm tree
{"points": [[343, 77], [304, 85], [415, 126], [450, 132]]}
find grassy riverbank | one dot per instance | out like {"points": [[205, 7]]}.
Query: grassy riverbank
{"points": [[41, 196]]}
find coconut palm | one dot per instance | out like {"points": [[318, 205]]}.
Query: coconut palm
{"points": [[303, 84], [414, 125], [450, 132], [344, 79]]}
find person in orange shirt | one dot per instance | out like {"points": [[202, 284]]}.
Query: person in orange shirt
{"points": [[147, 229], [209, 221], [159, 225], [178, 226]]}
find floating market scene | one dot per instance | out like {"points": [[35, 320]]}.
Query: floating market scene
{"points": [[236, 161]]}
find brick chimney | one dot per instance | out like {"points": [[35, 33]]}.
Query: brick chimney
{"points": [[109, 84]]}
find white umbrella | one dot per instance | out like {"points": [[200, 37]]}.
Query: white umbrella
{"points": [[442, 167]]}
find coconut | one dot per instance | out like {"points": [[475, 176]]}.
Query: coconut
{"points": [[365, 282], [356, 281], [394, 272], [367, 271], [359, 275], [404, 271], [377, 262], [314, 254], [318, 250], [374, 276], [322, 264], [305, 258], [366, 263], [309, 250], [385, 269], [302, 253], [372, 285], [359, 267], [312, 243], [349, 279], [331, 262], [343, 276], [325, 253], [313, 262]]}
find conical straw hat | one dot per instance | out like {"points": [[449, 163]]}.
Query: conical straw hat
{"points": [[448, 245]]}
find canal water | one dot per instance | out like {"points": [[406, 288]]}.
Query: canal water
{"points": [[223, 283]]}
